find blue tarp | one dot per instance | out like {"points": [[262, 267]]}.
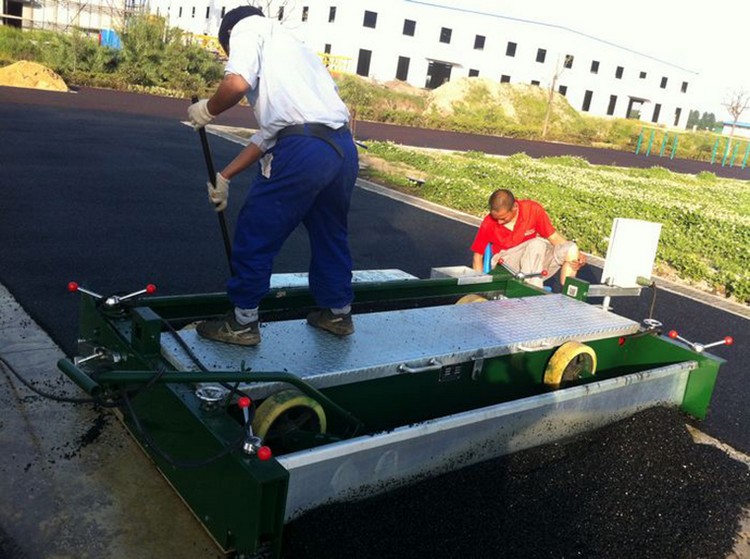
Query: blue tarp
{"points": [[109, 38]]}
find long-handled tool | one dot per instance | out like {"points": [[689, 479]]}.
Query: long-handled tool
{"points": [[212, 180]]}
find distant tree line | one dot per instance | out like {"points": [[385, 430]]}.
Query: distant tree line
{"points": [[705, 122]]}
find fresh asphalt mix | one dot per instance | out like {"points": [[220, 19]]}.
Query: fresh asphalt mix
{"points": [[107, 189]]}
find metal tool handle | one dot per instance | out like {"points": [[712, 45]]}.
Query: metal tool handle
{"points": [[432, 365], [212, 179]]}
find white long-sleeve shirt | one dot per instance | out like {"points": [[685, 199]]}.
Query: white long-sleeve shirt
{"points": [[288, 83]]}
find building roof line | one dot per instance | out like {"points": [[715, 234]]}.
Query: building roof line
{"points": [[551, 25]]}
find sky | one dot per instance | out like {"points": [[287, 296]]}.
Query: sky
{"points": [[708, 37]]}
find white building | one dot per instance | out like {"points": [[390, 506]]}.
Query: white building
{"points": [[90, 16], [426, 44]]}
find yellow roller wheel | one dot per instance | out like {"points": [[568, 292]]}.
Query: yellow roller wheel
{"points": [[471, 298], [286, 411], [569, 363]]}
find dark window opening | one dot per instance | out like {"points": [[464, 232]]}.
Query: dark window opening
{"points": [[657, 110], [612, 104], [305, 12], [402, 70], [510, 50], [563, 90], [663, 84], [479, 42], [409, 27], [363, 62], [473, 73], [618, 72], [179, 12], [587, 100], [438, 73], [192, 12], [541, 55], [535, 82], [445, 35], [594, 66], [504, 79], [371, 19], [327, 48], [208, 12], [331, 14], [568, 61], [281, 13], [223, 10], [677, 113], [642, 75], [684, 87]]}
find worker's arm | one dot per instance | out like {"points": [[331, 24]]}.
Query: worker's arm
{"points": [[478, 262], [229, 93]]}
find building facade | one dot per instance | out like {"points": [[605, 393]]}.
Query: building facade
{"points": [[427, 44]]}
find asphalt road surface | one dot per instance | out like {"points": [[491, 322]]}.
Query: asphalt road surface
{"points": [[107, 189]]}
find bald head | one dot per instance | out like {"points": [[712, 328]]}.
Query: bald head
{"points": [[502, 199]]}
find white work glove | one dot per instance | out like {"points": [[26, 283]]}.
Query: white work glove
{"points": [[220, 194], [198, 114]]}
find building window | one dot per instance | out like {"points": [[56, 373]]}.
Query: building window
{"points": [[409, 27], [208, 12], [563, 90], [510, 50], [305, 12], [663, 84], [479, 42], [371, 19], [594, 66], [363, 62], [612, 103], [587, 100], [677, 113], [331, 14], [657, 110], [280, 15], [179, 12], [445, 35], [504, 79], [402, 70], [192, 12], [541, 55], [684, 87], [473, 73], [327, 48], [618, 72], [568, 61], [223, 10], [642, 75], [535, 82]]}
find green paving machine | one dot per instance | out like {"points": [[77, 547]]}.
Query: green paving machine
{"points": [[441, 373]]}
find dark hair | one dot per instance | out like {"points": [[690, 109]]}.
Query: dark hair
{"points": [[502, 199], [232, 18]]}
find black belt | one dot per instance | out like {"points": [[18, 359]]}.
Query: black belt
{"points": [[314, 130]]}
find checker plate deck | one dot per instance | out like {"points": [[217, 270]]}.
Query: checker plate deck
{"points": [[385, 340]]}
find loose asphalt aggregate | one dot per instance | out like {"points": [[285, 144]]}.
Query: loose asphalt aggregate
{"points": [[107, 189]]}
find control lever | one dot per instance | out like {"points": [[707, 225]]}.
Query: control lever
{"points": [[252, 444], [517, 274], [699, 348], [113, 301]]}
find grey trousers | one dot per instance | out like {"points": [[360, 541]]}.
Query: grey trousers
{"points": [[533, 256]]}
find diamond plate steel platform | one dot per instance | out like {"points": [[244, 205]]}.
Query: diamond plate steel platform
{"points": [[384, 342]]}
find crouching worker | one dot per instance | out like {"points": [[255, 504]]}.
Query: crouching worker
{"points": [[522, 236], [308, 167]]}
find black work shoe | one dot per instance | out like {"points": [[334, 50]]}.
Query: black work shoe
{"points": [[339, 324], [229, 331]]}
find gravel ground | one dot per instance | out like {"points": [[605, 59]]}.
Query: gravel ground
{"points": [[639, 488]]}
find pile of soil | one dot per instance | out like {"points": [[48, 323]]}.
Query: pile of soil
{"points": [[443, 98], [31, 75], [639, 488]]}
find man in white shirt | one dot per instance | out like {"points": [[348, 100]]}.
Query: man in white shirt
{"points": [[308, 166]]}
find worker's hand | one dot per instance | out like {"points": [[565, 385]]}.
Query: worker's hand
{"points": [[219, 195], [580, 263], [198, 114]]}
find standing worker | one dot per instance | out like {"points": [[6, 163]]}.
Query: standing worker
{"points": [[522, 236], [308, 167]]}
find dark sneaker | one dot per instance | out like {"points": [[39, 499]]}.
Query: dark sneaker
{"points": [[339, 324], [229, 331]]}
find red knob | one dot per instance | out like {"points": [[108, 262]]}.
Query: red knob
{"points": [[621, 341], [729, 340], [72, 287], [243, 402], [500, 262], [672, 334], [150, 288], [264, 453], [544, 273]]}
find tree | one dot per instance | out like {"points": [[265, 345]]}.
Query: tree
{"points": [[693, 119], [736, 102], [707, 121]]}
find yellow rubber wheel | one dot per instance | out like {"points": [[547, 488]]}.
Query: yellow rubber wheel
{"points": [[568, 363], [471, 298], [286, 411]]}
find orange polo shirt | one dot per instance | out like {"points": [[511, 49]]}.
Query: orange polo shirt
{"points": [[531, 221]]}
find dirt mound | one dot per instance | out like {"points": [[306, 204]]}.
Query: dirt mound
{"points": [[463, 89], [31, 75]]}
